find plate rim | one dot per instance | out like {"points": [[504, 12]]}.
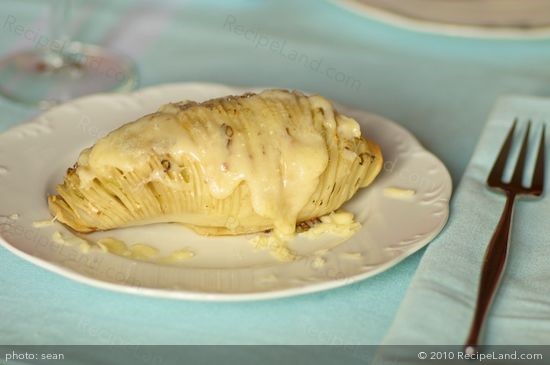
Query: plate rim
{"points": [[193, 295], [438, 28]]}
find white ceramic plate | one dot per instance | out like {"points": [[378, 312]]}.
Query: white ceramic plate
{"points": [[470, 18], [35, 155]]}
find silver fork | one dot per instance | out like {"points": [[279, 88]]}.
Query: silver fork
{"points": [[496, 253]]}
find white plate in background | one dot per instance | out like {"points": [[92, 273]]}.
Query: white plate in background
{"points": [[469, 18]]}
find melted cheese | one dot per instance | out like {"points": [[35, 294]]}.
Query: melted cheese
{"points": [[140, 251], [71, 240], [318, 262], [339, 224], [178, 256], [399, 193], [43, 223], [348, 128], [352, 255], [279, 153], [114, 246], [276, 245]]}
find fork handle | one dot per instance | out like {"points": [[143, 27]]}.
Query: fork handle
{"points": [[494, 263]]}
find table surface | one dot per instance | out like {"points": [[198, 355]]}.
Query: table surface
{"points": [[440, 88]]}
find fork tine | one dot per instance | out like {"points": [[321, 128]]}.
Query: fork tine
{"points": [[538, 176], [517, 177], [498, 168]]}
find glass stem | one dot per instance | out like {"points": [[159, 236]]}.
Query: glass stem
{"points": [[57, 54]]}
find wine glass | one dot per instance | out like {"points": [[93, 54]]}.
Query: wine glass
{"points": [[61, 68]]}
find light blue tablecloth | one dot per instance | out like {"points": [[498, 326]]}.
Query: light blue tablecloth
{"points": [[440, 88]]}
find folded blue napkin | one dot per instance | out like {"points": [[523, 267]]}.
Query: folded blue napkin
{"points": [[439, 304]]}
